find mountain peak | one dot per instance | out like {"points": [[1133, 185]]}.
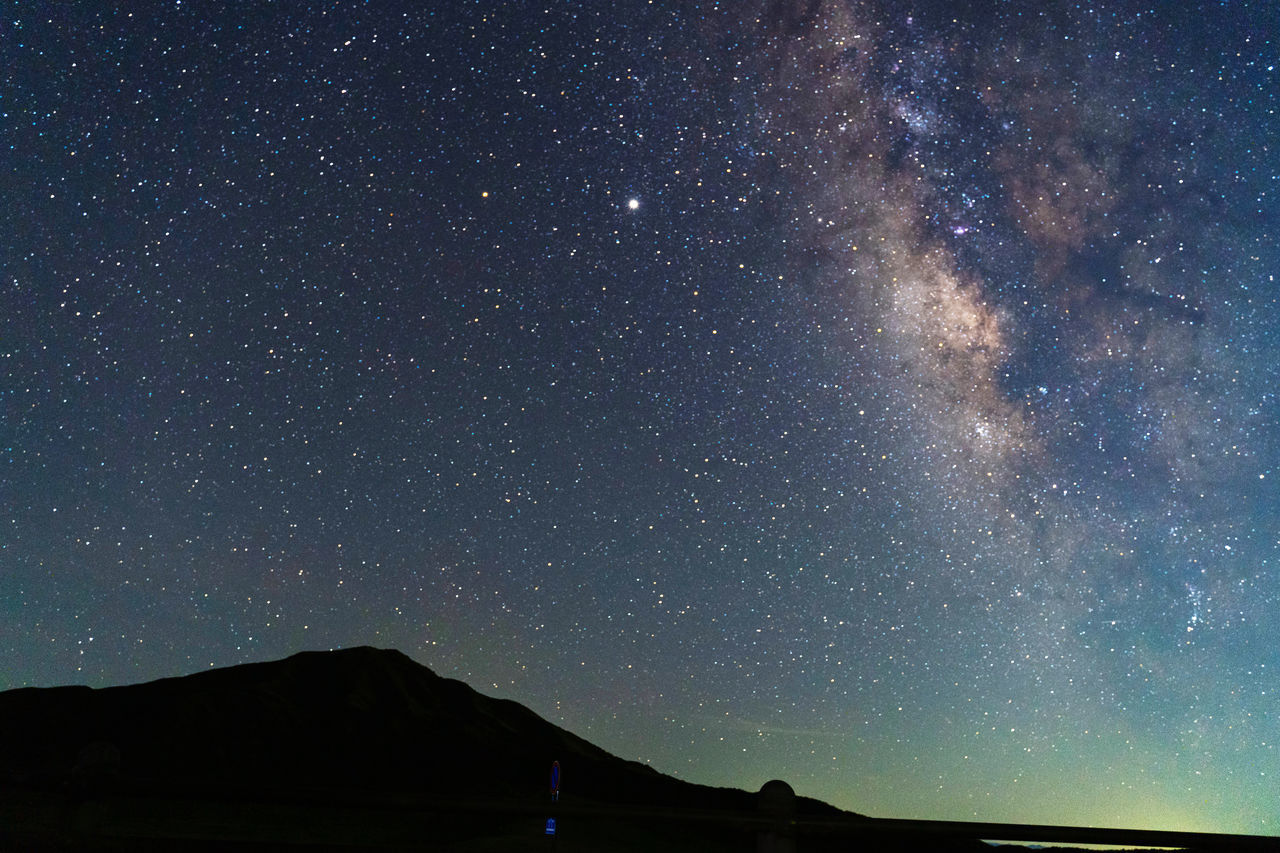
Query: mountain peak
{"points": [[355, 728], [355, 718]]}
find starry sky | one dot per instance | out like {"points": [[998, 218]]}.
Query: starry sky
{"points": [[878, 396]]}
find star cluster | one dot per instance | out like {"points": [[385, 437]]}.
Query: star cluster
{"points": [[874, 396]]}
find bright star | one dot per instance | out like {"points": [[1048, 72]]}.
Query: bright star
{"points": [[633, 204]]}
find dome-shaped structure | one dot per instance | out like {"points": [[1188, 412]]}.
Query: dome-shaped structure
{"points": [[776, 798]]}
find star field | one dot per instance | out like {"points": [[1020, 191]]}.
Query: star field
{"points": [[874, 396]]}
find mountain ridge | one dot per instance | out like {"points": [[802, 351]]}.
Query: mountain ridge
{"points": [[358, 744], [382, 720]]}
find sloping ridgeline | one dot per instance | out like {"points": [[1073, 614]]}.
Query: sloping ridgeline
{"points": [[355, 748]]}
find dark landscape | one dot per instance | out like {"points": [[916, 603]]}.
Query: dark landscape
{"points": [[360, 748], [364, 749]]}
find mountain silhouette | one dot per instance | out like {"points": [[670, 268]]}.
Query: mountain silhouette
{"points": [[356, 748]]}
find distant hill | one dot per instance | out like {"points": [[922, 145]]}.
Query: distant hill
{"points": [[362, 719], [354, 748]]}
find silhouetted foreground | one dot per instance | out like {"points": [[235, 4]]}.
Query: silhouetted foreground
{"points": [[365, 749]]}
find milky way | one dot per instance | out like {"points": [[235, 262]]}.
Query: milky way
{"points": [[874, 396]]}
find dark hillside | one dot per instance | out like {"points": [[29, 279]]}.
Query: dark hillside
{"points": [[363, 719], [320, 743]]}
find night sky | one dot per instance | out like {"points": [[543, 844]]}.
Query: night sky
{"points": [[843, 392]]}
